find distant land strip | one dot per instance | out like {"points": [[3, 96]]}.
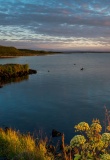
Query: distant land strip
{"points": [[10, 52], [13, 52]]}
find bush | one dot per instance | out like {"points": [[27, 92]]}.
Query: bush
{"points": [[91, 144]]}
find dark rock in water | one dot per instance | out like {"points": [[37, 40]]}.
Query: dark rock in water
{"points": [[32, 71], [56, 133], [82, 69], [1, 86]]}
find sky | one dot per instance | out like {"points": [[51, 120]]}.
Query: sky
{"points": [[55, 24]]}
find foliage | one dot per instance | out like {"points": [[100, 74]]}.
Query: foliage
{"points": [[13, 68], [14, 145], [91, 144], [105, 157]]}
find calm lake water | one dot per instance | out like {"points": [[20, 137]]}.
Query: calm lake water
{"points": [[60, 95]]}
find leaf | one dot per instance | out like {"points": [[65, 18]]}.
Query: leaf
{"points": [[77, 157]]}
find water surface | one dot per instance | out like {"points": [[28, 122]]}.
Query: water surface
{"points": [[60, 95]]}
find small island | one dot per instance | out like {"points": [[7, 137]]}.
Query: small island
{"points": [[8, 71]]}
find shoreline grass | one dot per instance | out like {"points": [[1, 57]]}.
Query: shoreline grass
{"points": [[8, 71], [14, 68], [17, 146], [90, 144]]}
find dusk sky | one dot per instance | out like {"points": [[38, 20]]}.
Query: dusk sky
{"points": [[55, 24]]}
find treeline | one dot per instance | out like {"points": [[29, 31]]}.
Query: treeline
{"points": [[12, 51]]}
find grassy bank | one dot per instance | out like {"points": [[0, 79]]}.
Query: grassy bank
{"points": [[91, 143], [8, 51], [13, 52], [16, 146], [14, 73], [88, 144], [10, 71], [13, 69]]}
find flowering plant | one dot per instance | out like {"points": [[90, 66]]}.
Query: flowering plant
{"points": [[90, 144]]}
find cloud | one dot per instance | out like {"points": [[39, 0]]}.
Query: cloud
{"points": [[45, 20]]}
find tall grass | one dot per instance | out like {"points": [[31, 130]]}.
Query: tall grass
{"points": [[13, 68], [90, 144], [14, 145]]}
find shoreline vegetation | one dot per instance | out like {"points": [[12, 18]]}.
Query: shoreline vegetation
{"points": [[9, 71], [10, 52], [91, 143]]}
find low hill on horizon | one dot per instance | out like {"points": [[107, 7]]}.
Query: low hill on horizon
{"points": [[8, 51], [12, 51]]}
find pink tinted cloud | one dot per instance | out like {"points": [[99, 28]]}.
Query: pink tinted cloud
{"points": [[66, 12]]}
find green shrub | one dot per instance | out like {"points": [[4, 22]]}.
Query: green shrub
{"points": [[91, 144]]}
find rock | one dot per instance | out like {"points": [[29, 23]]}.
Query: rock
{"points": [[32, 71], [82, 69], [56, 133]]}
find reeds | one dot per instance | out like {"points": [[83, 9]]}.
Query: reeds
{"points": [[13, 68], [16, 146]]}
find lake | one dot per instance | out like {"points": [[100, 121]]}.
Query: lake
{"points": [[60, 95]]}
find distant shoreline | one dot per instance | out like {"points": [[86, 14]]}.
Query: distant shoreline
{"points": [[8, 56], [12, 52], [1, 57], [86, 52]]}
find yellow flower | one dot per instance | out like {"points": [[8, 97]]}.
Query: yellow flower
{"points": [[82, 126], [105, 157], [77, 140], [106, 137], [96, 127]]}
